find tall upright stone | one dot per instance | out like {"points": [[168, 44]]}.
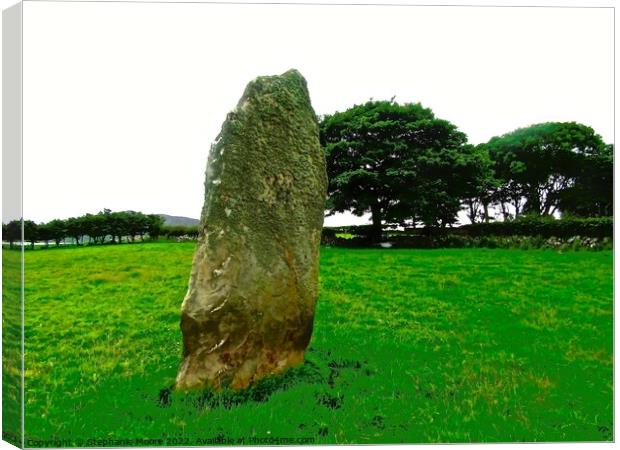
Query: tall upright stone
{"points": [[249, 309]]}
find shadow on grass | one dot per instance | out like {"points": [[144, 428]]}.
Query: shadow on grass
{"points": [[259, 392]]}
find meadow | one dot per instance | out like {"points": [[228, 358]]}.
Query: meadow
{"points": [[454, 345]]}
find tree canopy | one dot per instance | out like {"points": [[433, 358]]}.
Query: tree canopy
{"points": [[592, 193], [399, 163], [539, 165]]}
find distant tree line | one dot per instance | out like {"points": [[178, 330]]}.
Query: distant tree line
{"points": [[98, 228], [406, 167], [181, 232]]}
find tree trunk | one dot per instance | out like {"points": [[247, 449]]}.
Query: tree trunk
{"points": [[472, 211], [485, 206], [504, 211], [534, 204], [377, 229]]}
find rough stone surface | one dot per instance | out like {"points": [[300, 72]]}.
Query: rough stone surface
{"points": [[249, 309]]}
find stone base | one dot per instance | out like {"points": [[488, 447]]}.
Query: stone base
{"points": [[210, 371]]}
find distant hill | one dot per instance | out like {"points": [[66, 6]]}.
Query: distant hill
{"points": [[179, 220]]}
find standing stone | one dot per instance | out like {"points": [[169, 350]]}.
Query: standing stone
{"points": [[249, 309]]}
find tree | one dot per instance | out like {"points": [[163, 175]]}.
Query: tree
{"points": [[12, 232], [119, 225], [96, 226], [45, 233], [479, 195], [136, 224], [75, 229], [31, 232], [397, 162], [155, 225], [57, 230], [592, 193], [537, 164]]}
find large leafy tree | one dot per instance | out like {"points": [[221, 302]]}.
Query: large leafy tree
{"points": [[478, 196], [399, 163], [536, 165], [592, 193]]}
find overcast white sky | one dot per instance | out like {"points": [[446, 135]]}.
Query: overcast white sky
{"points": [[122, 100]]}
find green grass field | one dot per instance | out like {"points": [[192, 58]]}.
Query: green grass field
{"points": [[463, 345]]}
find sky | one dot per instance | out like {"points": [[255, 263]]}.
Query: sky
{"points": [[122, 100]]}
